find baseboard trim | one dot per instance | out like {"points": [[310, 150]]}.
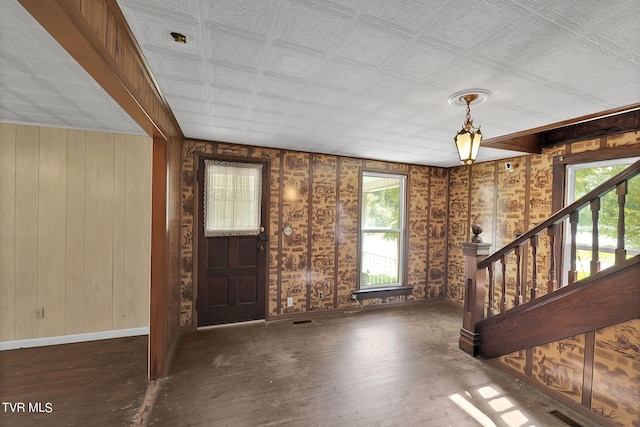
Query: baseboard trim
{"points": [[345, 309], [68, 339]]}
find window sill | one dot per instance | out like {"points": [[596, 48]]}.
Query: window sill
{"points": [[389, 291]]}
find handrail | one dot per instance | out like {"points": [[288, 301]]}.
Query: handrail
{"points": [[562, 214], [480, 268]]}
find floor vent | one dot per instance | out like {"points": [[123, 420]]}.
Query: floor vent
{"points": [[562, 417], [299, 322]]}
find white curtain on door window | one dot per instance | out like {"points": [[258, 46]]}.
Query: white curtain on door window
{"points": [[232, 198]]}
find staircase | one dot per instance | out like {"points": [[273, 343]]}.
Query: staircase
{"points": [[500, 318]]}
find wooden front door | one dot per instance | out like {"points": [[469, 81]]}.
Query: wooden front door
{"points": [[231, 269]]}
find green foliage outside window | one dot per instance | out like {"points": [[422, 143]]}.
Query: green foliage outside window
{"points": [[587, 180], [383, 210]]}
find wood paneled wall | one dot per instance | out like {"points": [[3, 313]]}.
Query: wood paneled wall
{"points": [[598, 370], [318, 195], [74, 231], [512, 203], [508, 203]]}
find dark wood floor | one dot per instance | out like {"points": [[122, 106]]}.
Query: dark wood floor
{"points": [[98, 383], [384, 367]]}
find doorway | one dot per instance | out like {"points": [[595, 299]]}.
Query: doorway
{"points": [[232, 240]]}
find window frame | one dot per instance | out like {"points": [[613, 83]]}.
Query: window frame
{"points": [[385, 290], [559, 187], [571, 172]]}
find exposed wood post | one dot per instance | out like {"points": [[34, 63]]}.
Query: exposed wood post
{"points": [[96, 34], [474, 295], [157, 323]]}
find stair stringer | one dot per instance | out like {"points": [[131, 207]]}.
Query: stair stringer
{"points": [[606, 298]]}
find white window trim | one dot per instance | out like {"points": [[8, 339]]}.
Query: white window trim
{"points": [[401, 230]]}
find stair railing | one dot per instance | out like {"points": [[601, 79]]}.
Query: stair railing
{"points": [[480, 267]]}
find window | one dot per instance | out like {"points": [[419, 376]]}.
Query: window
{"points": [[582, 178], [232, 198], [382, 234]]}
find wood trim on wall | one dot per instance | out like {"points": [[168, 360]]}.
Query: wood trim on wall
{"points": [[336, 272], [587, 377], [280, 234], [309, 231]]}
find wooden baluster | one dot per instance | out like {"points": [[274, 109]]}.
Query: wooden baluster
{"points": [[552, 284], [518, 298], [595, 256], [503, 299], [534, 267], [622, 190], [573, 220], [490, 309]]}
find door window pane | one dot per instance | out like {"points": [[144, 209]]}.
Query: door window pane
{"points": [[232, 198]]}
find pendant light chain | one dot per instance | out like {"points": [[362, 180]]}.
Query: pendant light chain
{"points": [[468, 122]]}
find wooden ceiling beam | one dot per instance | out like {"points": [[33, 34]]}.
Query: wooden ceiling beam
{"points": [[617, 120], [619, 123], [523, 142], [97, 36]]}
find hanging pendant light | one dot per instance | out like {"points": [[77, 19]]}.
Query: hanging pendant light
{"points": [[468, 139]]}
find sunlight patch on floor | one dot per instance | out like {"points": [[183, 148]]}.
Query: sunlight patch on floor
{"points": [[493, 400], [474, 412]]}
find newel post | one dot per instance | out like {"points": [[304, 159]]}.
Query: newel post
{"points": [[474, 292]]}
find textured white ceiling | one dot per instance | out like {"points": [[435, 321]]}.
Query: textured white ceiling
{"points": [[41, 84], [365, 78]]}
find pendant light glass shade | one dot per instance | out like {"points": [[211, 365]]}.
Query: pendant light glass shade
{"points": [[468, 139], [468, 144]]}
